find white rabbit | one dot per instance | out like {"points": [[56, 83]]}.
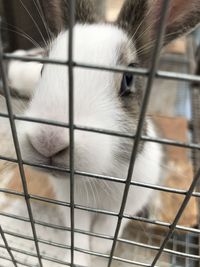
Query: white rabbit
{"points": [[103, 100]]}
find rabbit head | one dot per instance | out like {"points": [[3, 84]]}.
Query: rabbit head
{"points": [[102, 99]]}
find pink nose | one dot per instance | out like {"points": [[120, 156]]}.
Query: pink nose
{"points": [[50, 140]]}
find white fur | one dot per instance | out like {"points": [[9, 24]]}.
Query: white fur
{"points": [[23, 77], [96, 105]]}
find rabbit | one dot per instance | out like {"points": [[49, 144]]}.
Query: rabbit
{"points": [[103, 100]]}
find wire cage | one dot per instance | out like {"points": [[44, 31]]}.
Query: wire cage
{"points": [[173, 244]]}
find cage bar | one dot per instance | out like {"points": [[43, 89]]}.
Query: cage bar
{"points": [[72, 6]]}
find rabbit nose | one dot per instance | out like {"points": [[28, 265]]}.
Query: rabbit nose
{"points": [[50, 142]]}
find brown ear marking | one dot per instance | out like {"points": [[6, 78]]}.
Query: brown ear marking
{"points": [[140, 19]]}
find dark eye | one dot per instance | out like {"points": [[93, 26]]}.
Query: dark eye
{"points": [[127, 82]]}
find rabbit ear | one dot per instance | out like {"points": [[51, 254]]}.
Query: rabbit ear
{"points": [[140, 18], [56, 13]]}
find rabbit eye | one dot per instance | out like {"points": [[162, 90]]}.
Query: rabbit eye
{"points": [[127, 82]]}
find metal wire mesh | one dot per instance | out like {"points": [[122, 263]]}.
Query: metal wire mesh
{"points": [[182, 249]]}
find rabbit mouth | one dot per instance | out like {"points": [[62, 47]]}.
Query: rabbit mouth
{"points": [[54, 167], [58, 169], [49, 167]]}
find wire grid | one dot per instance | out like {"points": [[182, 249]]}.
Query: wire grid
{"points": [[152, 73]]}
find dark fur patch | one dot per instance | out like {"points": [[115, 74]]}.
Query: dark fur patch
{"points": [[56, 13], [131, 19]]}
